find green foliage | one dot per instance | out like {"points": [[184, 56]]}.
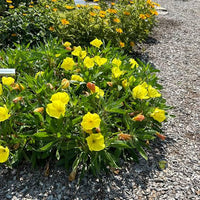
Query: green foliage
{"points": [[34, 135]]}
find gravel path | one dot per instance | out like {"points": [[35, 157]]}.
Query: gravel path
{"points": [[174, 49]]}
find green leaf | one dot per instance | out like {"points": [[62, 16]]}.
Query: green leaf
{"points": [[46, 147], [120, 144], [41, 134], [111, 159]]}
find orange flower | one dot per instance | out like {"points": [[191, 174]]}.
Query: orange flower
{"points": [[142, 16], [69, 7], [30, 6], [162, 137], [64, 22], [91, 86], [127, 13], [17, 86], [123, 136], [65, 83], [55, 9], [122, 44], [102, 16], [51, 28], [154, 12], [148, 15], [139, 118], [112, 3], [39, 109], [113, 11], [102, 12], [119, 30], [116, 20], [92, 14], [97, 7], [14, 35]]}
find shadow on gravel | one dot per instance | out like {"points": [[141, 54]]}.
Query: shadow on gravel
{"points": [[26, 183]]}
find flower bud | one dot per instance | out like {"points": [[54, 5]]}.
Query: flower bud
{"points": [[123, 136], [91, 86], [17, 99], [162, 137], [50, 86], [65, 83], [17, 86], [139, 118], [39, 109], [110, 84]]}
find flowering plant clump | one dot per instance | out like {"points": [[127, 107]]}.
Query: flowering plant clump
{"points": [[125, 23], [99, 107]]}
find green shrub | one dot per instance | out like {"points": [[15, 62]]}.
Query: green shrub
{"points": [[88, 109]]}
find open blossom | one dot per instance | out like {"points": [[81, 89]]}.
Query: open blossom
{"points": [[140, 92], [95, 142], [152, 92], [158, 115], [4, 154], [88, 62], [99, 92], [97, 43], [77, 78], [116, 72], [90, 121], [60, 96], [4, 115], [8, 80], [79, 53], [64, 22], [116, 62], [119, 30], [68, 64], [100, 61], [56, 109]]}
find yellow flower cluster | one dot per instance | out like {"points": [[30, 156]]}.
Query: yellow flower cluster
{"points": [[56, 109], [4, 153], [145, 91]]}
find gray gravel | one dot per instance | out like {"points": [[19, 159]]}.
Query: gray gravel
{"points": [[174, 48]]}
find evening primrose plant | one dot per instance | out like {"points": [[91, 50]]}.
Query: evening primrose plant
{"points": [[90, 109]]}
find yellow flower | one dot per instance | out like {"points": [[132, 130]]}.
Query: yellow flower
{"points": [[127, 13], [88, 62], [116, 62], [116, 72], [68, 64], [51, 28], [122, 44], [11, 7], [119, 30], [99, 92], [152, 92], [125, 83], [30, 6], [90, 121], [4, 153], [8, 80], [140, 92], [142, 16], [154, 12], [79, 53], [53, 0], [132, 44], [56, 109], [65, 83], [67, 44], [113, 11], [64, 22], [1, 89], [100, 61], [60, 96], [97, 7], [57, 55], [4, 113], [134, 63], [102, 12], [55, 9], [8, 1], [102, 16], [77, 78], [40, 73], [69, 7], [95, 142], [92, 14], [158, 115], [116, 20], [97, 43]]}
